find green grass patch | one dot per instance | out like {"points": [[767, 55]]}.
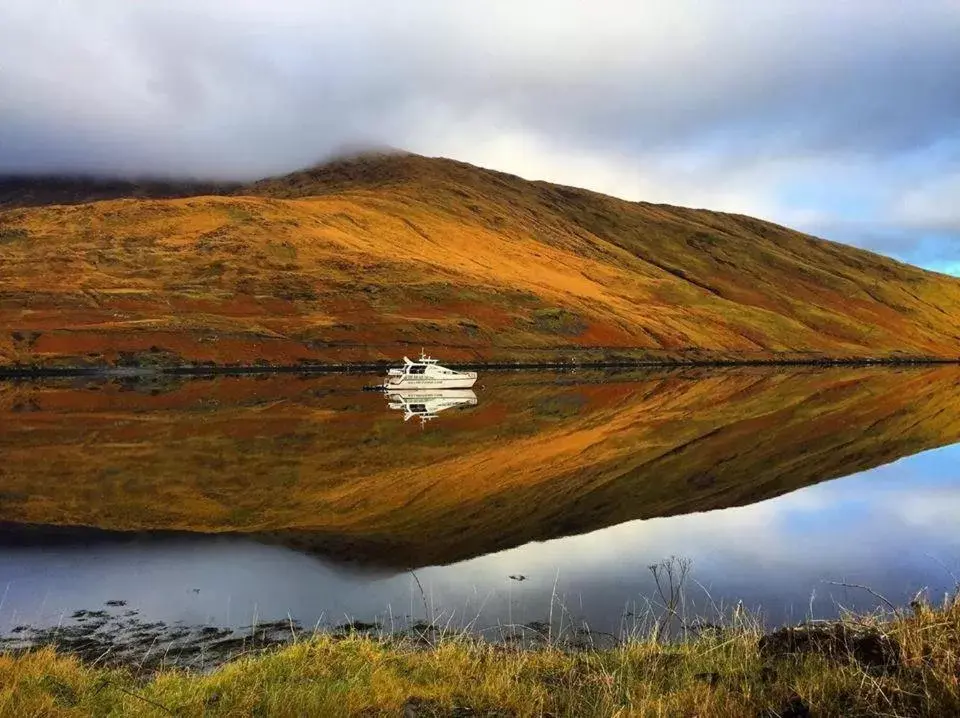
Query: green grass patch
{"points": [[10, 235], [555, 320]]}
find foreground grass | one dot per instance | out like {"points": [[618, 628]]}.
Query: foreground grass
{"points": [[728, 672]]}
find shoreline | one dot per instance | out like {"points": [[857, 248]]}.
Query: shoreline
{"points": [[116, 635], [898, 662], [29, 372]]}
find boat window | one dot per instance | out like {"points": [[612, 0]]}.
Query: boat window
{"points": [[417, 369]]}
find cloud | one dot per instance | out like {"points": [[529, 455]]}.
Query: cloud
{"points": [[932, 206], [804, 112]]}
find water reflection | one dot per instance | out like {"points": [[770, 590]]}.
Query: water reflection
{"points": [[263, 496], [893, 528], [427, 404]]}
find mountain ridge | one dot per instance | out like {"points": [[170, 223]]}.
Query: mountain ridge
{"points": [[362, 258]]}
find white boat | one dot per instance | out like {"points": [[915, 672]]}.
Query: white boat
{"points": [[427, 404], [425, 373]]}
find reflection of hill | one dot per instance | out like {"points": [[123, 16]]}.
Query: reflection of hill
{"points": [[303, 462]]}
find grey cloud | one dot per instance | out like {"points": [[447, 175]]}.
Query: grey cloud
{"points": [[707, 103], [933, 206], [239, 89]]}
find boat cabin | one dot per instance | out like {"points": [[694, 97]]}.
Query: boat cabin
{"points": [[415, 369], [424, 363]]}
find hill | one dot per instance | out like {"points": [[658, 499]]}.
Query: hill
{"points": [[372, 257], [314, 465], [37, 191]]}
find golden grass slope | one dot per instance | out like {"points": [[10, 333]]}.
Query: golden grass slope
{"points": [[371, 258], [307, 462]]}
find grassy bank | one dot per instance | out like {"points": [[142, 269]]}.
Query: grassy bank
{"points": [[903, 664]]}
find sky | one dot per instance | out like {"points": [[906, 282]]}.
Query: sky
{"points": [[838, 118]]}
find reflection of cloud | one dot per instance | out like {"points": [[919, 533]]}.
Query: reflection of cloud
{"points": [[882, 525], [937, 510]]}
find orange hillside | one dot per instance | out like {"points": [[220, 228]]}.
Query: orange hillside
{"points": [[373, 257]]}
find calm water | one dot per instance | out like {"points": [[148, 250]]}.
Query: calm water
{"points": [[238, 499]]}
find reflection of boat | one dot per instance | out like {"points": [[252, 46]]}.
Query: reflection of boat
{"points": [[425, 373], [427, 404]]}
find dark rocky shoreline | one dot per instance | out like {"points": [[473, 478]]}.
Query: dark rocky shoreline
{"points": [[117, 637]]}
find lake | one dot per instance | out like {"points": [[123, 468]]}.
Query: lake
{"points": [[235, 500]]}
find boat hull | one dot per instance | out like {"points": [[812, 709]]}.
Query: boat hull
{"points": [[409, 382]]}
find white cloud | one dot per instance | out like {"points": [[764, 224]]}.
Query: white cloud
{"points": [[934, 205]]}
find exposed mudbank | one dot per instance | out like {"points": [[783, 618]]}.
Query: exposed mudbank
{"points": [[117, 636]]}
